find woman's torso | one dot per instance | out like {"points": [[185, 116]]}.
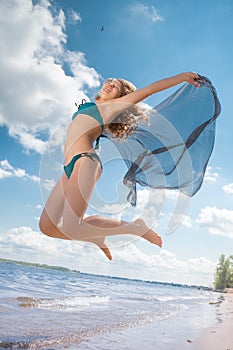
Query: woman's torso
{"points": [[87, 125], [81, 135]]}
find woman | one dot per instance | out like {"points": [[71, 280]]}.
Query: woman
{"points": [[63, 215]]}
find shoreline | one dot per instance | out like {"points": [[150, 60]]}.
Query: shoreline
{"points": [[174, 333], [219, 336]]}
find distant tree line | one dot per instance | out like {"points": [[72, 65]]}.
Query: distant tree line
{"points": [[224, 273]]}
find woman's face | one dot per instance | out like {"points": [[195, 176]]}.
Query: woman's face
{"points": [[111, 89]]}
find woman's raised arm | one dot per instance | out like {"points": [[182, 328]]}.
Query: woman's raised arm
{"points": [[110, 109], [160, 85]]}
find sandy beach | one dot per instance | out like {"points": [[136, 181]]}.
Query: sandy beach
{"points": [[188, 331], [220, 336], [179, 333], [43, 307]]}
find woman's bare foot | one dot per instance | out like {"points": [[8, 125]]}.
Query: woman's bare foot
{"points": [[153, 237], [107, 253], [148, 234], [100, 242]]}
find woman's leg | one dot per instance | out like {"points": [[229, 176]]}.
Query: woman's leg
{"points": [[53, 210], [49, 229], [77, 195], [52, 215]]}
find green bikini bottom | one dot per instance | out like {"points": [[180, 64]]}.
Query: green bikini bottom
{"points": [[69, 167]]}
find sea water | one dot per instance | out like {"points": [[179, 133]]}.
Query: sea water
{"points": [[44, 307]]}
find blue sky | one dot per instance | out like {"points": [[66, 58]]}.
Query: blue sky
{"points": [[54, 54]]}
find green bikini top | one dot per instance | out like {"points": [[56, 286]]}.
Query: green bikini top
{"points": [[90, 109]]}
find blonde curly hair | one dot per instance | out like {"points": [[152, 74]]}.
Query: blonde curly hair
{"points": [[125, 123]]}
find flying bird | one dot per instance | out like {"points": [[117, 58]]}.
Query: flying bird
{"points": [[102, 28]]}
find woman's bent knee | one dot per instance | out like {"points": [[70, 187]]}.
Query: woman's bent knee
{"points": [[45, 224]]}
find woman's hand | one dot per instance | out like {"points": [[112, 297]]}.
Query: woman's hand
{"points": [[194, 79]]}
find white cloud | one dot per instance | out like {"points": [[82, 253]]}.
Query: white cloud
{"points": [[149, 12], [150, 205], [48, 184], [7, 170], [115, 209], [24, 244], [162, 209], [210, 175], [24, 238], [187, 221], [217, 221], [164, 266], [201, 265], [27, 137], [27, 245], [228, 189], [74, 17], [38, 95]]}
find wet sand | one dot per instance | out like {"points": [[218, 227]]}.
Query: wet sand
{"points": [[181, 332], [220, 336]]}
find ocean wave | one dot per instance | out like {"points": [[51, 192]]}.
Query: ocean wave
{"points": [[14, 345], [65, 303], [185, 297], [169, 298]]}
